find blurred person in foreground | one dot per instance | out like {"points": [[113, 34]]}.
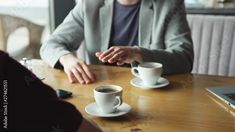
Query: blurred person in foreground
{"points": [[33, 106]]}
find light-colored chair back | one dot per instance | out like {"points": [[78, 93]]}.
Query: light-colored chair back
{"points": [[214, 44], [8, 24]]}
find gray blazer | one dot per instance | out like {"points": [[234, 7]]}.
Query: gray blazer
{"points": [[164, 34]]}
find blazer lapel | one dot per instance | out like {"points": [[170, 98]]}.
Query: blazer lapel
{"points": [[106, 17], [145, 23]]}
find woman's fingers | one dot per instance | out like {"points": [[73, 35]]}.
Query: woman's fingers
{"points": [[121, 61], [78, 75], [71, 77], [85, 73], [111, 55], [87, 70], [81, 74], [76, 69], [116, 56], [104, 55], [97, 54]]}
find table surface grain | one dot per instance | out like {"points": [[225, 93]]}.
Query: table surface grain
{"points": [[184, 105]]}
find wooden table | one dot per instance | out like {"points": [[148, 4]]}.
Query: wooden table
{"points": [[182, 106]]}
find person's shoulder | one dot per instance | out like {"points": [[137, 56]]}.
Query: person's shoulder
{"points": [[168, 2], [91, 2], [91, 5], [3, 54]]}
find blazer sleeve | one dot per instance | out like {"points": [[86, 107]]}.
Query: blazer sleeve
{"points": [[66, 38], [177, 57]]}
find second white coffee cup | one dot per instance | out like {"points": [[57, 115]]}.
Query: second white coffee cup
{"points": [[108, 98], [148, 72]]}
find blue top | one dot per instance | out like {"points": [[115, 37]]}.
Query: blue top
{"points": [[125, 25]]}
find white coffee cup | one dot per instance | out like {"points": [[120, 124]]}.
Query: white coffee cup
{"points": [[108, 98], [148, 72]]}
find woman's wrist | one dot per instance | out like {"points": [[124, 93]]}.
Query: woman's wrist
{"points": [[64, 58], [138, 56]]}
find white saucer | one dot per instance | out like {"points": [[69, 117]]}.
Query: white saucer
{"points": [[93, 109], [137, 82]]}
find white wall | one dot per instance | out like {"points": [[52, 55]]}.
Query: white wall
{"points": [[34, 10], [24, 3]]}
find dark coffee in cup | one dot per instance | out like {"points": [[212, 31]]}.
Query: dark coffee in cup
{"points": [[107, 90]]}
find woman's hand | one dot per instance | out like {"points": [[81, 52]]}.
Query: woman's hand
{"points": [[120, 55], [76, 69]]}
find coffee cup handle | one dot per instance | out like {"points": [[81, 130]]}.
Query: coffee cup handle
{"points": [[133, 71], [119, 100]]}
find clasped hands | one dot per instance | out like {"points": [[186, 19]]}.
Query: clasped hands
{"points": [[78, 71]]}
